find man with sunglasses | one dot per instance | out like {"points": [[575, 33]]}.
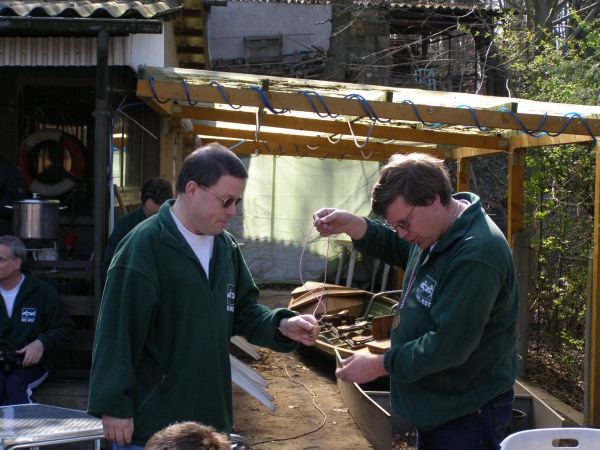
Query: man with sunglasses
{"points": [[177, 290], [452, 362]]}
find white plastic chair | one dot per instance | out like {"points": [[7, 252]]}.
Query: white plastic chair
{"points": [[552, 438]]}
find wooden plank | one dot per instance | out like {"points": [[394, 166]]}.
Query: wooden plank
{"points": [[340, 127], [330, 289], [526, 141], [374, 151], [79, 305], [429, 113], [73, 264], [379, 346], [82, 340]]}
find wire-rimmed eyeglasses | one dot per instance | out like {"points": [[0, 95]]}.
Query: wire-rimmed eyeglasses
{"points": [[403, 224], [227, 202]]}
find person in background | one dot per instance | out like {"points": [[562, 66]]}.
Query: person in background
{"points": [[155, 192], [12, 187], [33, 322], [177, 290], [453, 360], [188, 436]]}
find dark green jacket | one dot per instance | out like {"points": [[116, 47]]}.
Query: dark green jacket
{"points": [[455, 348], [161, 353], [38, 313], [123, 226]]}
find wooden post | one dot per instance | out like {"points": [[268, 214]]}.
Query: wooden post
{"points": [[516, 184], [521, 253], [463, 174], [592, 383]]}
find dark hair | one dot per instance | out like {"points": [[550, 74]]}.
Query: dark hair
{"points": [[208, 164], [17, 248], [188, 436], [157, 189], [417, 177]]}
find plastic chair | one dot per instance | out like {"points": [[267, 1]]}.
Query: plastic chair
{"points": [[239, 442], [552, 438]]}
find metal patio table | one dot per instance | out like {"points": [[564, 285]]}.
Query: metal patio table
{"points": [[34, 425]]}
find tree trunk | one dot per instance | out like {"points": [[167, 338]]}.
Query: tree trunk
{"points": [[337, 54]]}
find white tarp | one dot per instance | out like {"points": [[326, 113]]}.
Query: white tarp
{"points": [[275, 218]]}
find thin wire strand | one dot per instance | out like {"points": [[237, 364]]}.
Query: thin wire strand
{"points": [[314, 404], [319, 298]]}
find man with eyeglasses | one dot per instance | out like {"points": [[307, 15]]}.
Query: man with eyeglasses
{"points": [[177, 290], [452, 361]]}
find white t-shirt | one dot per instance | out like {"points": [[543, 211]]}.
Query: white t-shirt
{"points": [[11, 295], [201, 244]]}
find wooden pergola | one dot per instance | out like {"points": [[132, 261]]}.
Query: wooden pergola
{"points": [[262, 115]]}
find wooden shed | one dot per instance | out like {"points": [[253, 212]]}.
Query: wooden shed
{"points": [[262, 115]]}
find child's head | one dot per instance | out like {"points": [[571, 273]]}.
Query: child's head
{"points": [[188, 436]]}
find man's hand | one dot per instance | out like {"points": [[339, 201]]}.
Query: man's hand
{"points": [[302, 328], [361, 368], [32, 353], [118, 430], [329, 221]]}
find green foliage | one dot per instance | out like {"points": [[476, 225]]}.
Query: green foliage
{"points": [[547, 67], [559, 187]]}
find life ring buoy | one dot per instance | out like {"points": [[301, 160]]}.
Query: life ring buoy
{"points": [[70, 143]]}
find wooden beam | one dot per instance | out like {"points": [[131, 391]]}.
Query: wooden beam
{"points": [[470, 152], [287, 149], [341, 127], [526, 141], [463, 175], [307, 143], [425, 113], [164, 109]]}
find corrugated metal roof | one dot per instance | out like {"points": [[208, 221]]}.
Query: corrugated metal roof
{"points": [[61, 51], [432, 5], [146, 9]]}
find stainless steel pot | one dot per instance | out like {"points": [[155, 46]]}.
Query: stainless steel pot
{"points": [[36, 218]]}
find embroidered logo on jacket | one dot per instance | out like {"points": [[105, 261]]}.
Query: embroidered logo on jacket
{"points": [[425, 291], [28, 315], [230, 297]]}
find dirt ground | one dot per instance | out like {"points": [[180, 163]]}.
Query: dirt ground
{"points": [[311, 413]]}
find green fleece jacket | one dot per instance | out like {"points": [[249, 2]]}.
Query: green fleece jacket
{"points": [[161, 353], [38, 313], [123, 226], [455, 348]]}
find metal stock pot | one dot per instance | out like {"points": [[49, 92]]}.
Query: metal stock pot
{"points": [[36, 218]]}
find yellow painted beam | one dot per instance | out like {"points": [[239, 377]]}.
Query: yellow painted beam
{"points": [[341, 127], [164, 109], [428, 113], [526, 141], [307, 144]]}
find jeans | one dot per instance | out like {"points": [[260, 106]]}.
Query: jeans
{"points": [[482, 430], [127, 447]]}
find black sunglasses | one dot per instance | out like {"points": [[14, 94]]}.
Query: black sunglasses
{"points": [[227, 202]]}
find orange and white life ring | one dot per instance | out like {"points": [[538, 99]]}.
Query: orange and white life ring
{"points": [[71, 144]]}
